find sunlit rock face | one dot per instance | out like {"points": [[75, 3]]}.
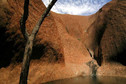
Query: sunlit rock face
{"points": [[12, 42], [110, 32], [114, 38], [106, 37], [60, 49], [77, 7]]}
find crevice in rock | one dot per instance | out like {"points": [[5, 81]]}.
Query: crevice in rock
{"points": [[6, 48], [93, 68]]}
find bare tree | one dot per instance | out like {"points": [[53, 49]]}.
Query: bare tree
{"points": [[30, 38]]}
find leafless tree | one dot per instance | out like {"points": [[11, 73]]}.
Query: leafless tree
{"points": [[30, 38]]}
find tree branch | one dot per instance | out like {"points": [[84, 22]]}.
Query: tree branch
{"points": [[37, 27], [23, 20]]}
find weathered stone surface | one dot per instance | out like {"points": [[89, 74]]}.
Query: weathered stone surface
{"points": [[12, 43], [62, 44]]}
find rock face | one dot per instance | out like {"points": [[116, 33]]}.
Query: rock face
{"points": [[12, 42], [65, 43], [113, 41], [108, 31]]}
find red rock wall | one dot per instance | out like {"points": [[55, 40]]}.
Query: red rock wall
{"points": [[113, 41], [64, 38], [106, 35], [47, 43]]}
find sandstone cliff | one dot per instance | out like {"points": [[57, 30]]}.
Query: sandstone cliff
{"points": [[12, 42], [64, 44]]}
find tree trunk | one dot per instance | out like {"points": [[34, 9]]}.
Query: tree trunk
{"points": [[26, 61], [30, 38]]}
